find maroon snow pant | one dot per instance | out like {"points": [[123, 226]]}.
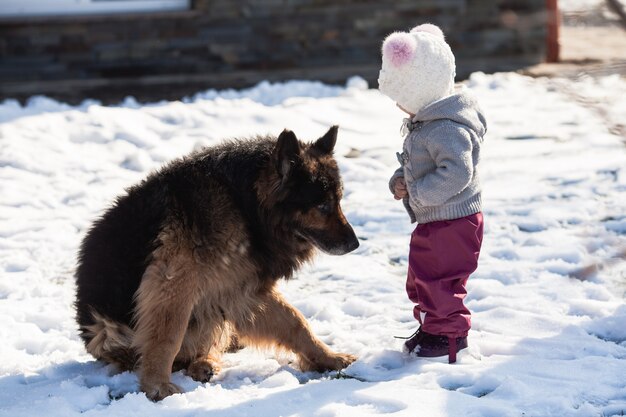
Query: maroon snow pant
{"points": [[443, 255]]}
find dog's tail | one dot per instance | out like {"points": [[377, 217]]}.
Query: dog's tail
{"points": [[111, 342]]}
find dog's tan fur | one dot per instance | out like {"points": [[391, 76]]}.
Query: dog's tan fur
{"points": [[187, 307]]}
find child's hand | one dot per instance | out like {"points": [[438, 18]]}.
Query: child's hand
{"points": [[399, 189]]}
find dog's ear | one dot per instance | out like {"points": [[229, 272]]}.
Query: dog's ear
{"points": [[286, 152], [326, 143]]}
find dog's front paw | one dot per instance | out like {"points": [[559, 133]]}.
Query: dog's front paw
{"points": [[202, 370], [331, 362], [341, 360], [159, 390]]}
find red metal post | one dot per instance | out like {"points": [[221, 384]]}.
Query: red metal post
{"points": [[553, 50]]}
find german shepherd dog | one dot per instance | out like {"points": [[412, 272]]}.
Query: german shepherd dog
{"points": [[186, 262]]}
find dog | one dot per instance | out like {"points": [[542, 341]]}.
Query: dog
{"points": [[185, 264]]}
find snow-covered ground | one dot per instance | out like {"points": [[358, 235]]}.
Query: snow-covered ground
{"points": [[549, 332], [579, 5], [590, 13]]}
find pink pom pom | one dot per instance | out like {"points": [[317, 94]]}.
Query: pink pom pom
{"points": [[399, 48], [429, 28]]}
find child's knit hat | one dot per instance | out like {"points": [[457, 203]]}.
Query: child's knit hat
{"points": [[418, 67]]}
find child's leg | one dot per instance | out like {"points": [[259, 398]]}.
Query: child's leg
{"points": [[411, 290], [442, 257]]}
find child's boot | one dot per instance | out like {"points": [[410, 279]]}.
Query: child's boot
{"points": [[426, 345]]}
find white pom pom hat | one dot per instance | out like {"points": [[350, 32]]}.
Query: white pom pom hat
{"points": [[418, 67]]}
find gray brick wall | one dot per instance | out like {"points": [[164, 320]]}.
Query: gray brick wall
{"points": [[237, 43]]}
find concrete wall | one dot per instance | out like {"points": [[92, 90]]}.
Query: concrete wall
{"points": [[236, 43]]}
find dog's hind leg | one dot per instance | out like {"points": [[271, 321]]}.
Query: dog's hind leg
{"points": [[164, 302], [275, 322], [206, 338]]}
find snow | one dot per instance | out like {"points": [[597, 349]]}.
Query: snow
{"points": [[548, 335], [579, 5]]}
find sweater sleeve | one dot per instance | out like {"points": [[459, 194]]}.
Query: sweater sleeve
{"points": [[398, 174], [450, 147]]}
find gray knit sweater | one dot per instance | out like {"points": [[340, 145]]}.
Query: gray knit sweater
{"points": [[440, 159]]}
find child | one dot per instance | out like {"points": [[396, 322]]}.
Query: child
{"points": [[438, 183]]}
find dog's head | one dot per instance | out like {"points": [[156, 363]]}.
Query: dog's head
{"points": [[308, 190]]}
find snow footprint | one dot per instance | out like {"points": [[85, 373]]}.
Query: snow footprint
{"points": [[470, 385], [505, 254]]}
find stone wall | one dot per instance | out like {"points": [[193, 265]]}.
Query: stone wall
{"points": [[237, 43]]}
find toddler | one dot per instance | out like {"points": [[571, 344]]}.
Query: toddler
{"points": [[438, 184]]}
